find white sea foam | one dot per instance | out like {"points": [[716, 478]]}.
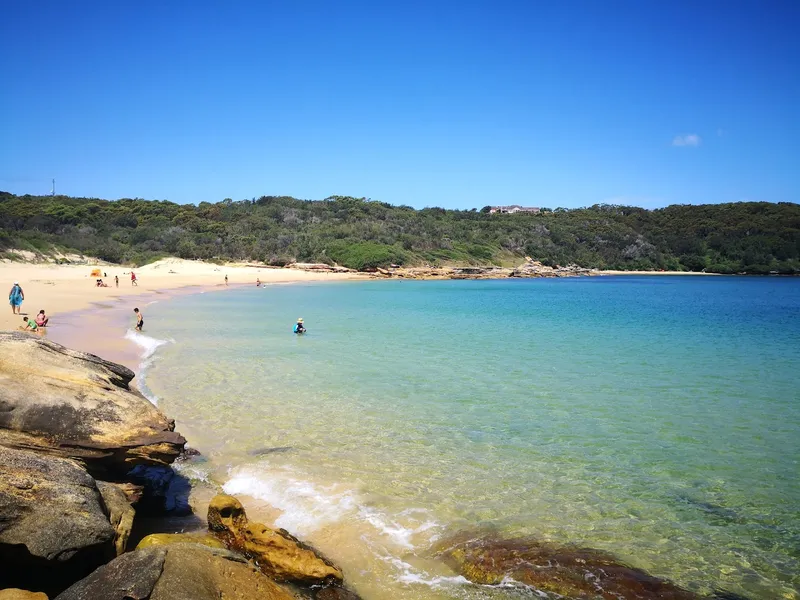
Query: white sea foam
{"points": [[148, 347], [147, 344], [305, 506], [400, 534], [410, 576]]}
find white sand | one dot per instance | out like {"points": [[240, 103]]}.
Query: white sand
{"points": [[66, 288]]}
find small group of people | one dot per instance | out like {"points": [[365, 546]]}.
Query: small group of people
{"points": [[16, 295], [37, 324]]}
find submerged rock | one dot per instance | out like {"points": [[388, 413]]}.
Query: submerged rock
{"points": [[557, 571], [279, 554], [177, 572], [53, 523], [74, 404]]}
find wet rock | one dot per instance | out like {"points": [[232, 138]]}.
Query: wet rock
{"points": [[18, 594], [336, 593], [120, 513], [164, 539], [164, 491], [577, 573], [226, 514], [53, 523], [280, 555], [177, 572], [74, 404]]}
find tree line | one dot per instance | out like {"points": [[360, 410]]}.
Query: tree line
{"points": [[742, 237]]}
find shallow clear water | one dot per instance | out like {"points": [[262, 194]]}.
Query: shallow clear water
{"points": [[654, 417]]}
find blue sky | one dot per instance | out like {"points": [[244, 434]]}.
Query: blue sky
{"points": [[453, 104]]}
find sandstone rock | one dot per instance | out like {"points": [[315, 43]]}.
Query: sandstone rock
{"points": [[226, 513], [18, 594], [177, 572], [78, 405], [577, 573], [279, 554], [164, 539], [120, 513], [53, 525], [131, 576]]}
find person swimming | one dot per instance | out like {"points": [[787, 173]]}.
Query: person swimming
{"points": [[299, 327]]}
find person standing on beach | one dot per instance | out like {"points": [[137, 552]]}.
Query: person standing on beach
{"points": [[226, 279], [133, 279], [116, 280], [15, 298], [139, 319]]}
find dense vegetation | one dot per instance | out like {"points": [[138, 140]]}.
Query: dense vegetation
{"points": [[752, 237]]}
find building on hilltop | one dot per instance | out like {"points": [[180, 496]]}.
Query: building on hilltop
{"points": [[514, 208]]}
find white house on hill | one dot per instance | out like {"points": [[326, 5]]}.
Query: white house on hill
{"points": [[514, 208]]}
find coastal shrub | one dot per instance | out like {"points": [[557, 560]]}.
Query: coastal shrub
{"points": [[366, 255], [756, 237]]}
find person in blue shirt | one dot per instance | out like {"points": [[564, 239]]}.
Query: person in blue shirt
{"points": [[15, 298]]}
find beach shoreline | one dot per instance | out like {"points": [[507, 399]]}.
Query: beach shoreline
{"points": [[63, 290]]}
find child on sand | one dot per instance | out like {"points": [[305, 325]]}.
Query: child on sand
{"points": [[15, 298], [116, 280], [133, 279], [42, 319], [139, 319], [30, 324]]}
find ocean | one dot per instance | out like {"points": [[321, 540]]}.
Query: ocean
{"points": [[655, 418]]}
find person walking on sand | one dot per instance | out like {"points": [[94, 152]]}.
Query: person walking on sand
{"points": [[133, 279], [139, 319], [116, 280], [15, 298], [226, 279]]}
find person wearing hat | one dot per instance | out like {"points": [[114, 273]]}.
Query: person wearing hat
{"points": [[298, 327], [15, 298]]}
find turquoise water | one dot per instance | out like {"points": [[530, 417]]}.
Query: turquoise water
{"points": [[657, 418]]}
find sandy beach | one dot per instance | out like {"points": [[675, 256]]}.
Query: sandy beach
{"points": [[60, 289]]}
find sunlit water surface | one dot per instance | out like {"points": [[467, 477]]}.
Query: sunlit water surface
{"points": [[657, 418]]}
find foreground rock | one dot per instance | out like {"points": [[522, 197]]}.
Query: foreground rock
{"points": [[74, 404], [54, 526], [177, 572], [558, 572], [18, 594], [120, 512], [280, 555]]}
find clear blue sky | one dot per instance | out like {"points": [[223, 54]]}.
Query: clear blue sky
{"points": [[456, 104]]}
